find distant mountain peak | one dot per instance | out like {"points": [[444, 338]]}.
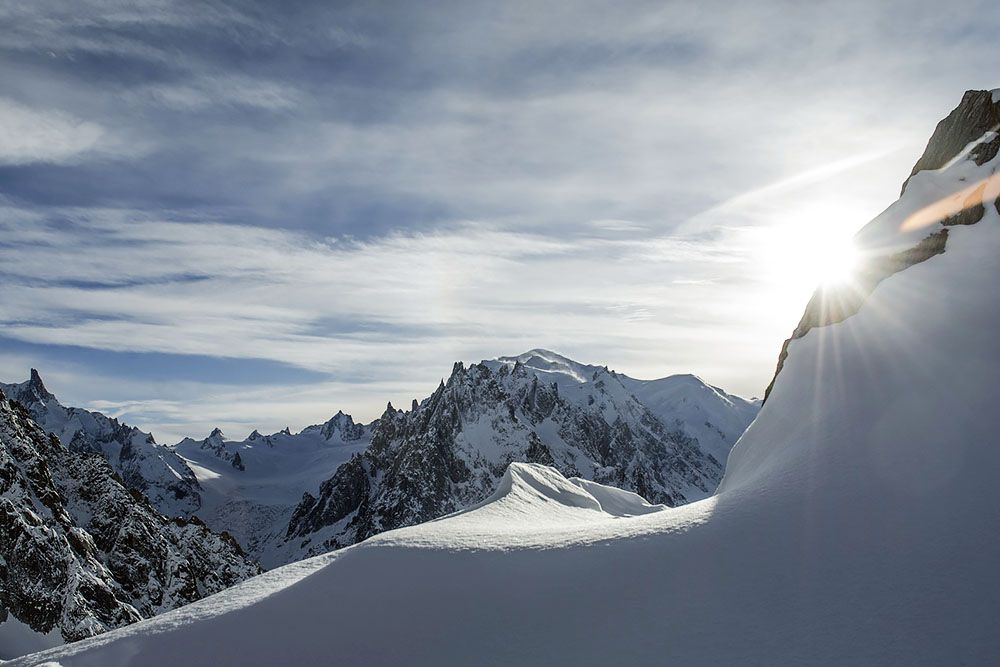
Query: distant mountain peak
{"points": [[37, 386], [710, 415], [546, 361]]}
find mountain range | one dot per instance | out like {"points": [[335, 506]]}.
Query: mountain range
{"points": [[170, 524], [856, 522]]}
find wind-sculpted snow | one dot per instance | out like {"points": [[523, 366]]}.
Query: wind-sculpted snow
{"points": [[534, 506], [856, 524]]}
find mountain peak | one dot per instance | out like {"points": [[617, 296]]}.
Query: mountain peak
{"points": [[552, 364], [37, 387], [542, 354]]}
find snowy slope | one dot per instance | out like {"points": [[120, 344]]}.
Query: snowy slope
{"points": [[856, 523], [708, 414], [254, 499], [716, 419], [144, 465]]}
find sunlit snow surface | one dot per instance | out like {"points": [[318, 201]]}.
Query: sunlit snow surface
{"points": [[856, 525]]}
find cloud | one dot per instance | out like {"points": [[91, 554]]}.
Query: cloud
{"points": [[355, 120], [214, 91], [330, 305], [374, 191], [31, 135]]}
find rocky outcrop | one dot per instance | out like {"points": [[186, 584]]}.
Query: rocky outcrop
{"points": [[452, 448], [50, 573], [82, 553], [340, 427], [977, 114]]}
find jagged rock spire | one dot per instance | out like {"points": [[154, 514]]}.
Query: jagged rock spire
{"points": [[37, 387]]}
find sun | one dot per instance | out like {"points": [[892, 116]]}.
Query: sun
{"points": [[802, 248], [835, 261], [811, 246]]}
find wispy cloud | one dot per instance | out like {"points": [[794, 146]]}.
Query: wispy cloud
{"points": [[374, 190], [31, 135], [218, 91]]}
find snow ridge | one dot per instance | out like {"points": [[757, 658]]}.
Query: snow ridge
{"points": [[152, 469]]}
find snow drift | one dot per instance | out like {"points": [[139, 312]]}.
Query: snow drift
{"points": [[856, 523]]}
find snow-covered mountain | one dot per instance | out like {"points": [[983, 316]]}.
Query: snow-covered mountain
{"points": [[250, 488], [711, 416], [451, 450], [80, 553], [286, 496], [273, 493], [152, 469], [856, 523]]}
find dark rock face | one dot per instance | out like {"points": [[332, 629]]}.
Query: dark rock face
{"points": [[453, 448], [972, 210], [160, 564], [975, 115], [82, 553], [50, 575], [340, 496]]}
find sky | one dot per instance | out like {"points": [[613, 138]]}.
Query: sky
{"points": [[253, 214]]}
